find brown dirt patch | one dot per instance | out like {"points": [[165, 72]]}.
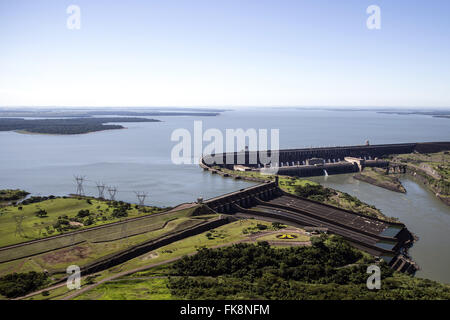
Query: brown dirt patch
{"points": [[151, 255], [67, 255]]}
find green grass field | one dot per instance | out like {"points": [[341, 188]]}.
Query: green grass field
{"points": [[130, 289], [33, 227], [288, 184], [90, 250], [227, 234]]}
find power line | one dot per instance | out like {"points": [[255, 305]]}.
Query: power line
{"points": [[112, 192], [141, 197], [79, 180], [101, 190]]}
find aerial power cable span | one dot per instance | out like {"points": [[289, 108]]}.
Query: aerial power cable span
{"points": [[105, 190]]}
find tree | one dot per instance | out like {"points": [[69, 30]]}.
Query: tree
{"points": [[41, 213]]}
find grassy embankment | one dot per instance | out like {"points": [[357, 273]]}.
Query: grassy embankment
{"points": [[222, 236], [378, 177], [432, 169], [60, 215], [100, 243]]}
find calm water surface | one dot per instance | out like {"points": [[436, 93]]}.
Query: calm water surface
{"points": [[419, 209]]}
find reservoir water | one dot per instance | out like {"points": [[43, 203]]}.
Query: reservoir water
{"points": [[139, 159]]}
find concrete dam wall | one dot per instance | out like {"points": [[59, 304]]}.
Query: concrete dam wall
{"points": [[319, 161], [289, 157]]}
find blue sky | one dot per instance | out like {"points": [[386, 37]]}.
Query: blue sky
{"points": [[225, 53]]}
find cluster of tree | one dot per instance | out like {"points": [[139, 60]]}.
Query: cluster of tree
{"points": [[314, 192], [41, 213], [83, 213], [11, 195], [310, 264], [66, 125], [86, 217], [19, 284], [278, 225], [120, 209], [36, 199], [329, 269], [255, 229], [271, 287], [62, 224]]}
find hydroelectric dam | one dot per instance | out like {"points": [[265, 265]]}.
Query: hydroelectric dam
{"points": [[309, 162], [387, 240]]}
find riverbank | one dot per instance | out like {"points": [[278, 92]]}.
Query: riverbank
{"points": [[378, 178], [431, 169]]}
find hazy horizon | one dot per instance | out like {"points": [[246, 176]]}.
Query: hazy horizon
{"points": [[231, 107], [229, 54]]}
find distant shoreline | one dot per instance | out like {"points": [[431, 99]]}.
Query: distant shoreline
{"points": [[61, 134], [67, 126]]}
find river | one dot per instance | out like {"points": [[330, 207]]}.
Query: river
{"points": [[422, 213]]}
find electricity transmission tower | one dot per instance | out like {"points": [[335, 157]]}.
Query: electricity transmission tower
{"points": [[101, 190], [79, 180], [19, 228], [112, 193], [141, 197]]}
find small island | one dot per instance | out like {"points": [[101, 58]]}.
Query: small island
{"points": [[66, 126]]}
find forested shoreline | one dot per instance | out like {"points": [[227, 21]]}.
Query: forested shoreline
{"points": [[66, 125]]}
